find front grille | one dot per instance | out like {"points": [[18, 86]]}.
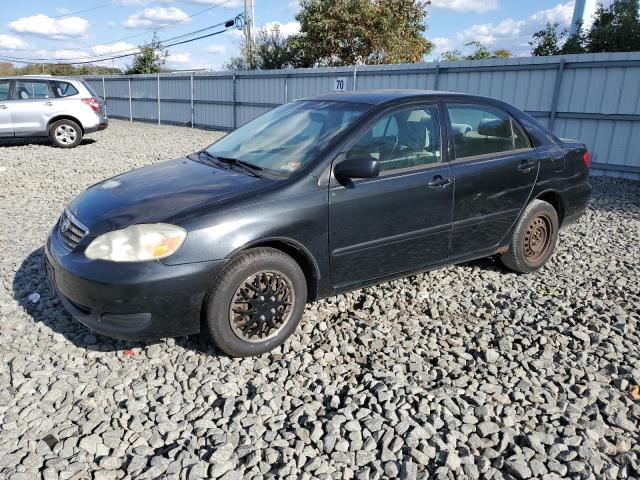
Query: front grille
{"points": [[70, 230]]}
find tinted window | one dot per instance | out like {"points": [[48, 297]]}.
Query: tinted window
{"points": [[482, 131], [30, 90], [63, 89], [4, 89], [520, 140], [404, 139], [287, 137]]}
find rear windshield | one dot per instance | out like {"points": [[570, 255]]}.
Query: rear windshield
{"points": [[90, 88]]}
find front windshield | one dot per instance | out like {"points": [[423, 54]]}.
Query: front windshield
{"points": [[286, 138]]}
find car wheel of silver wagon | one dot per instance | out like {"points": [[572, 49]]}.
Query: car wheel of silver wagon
{"points": [[534, 238], [65, 134], [256, 302]]}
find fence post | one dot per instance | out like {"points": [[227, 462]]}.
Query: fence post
{"points": [[355, 73], [192, 112], [556, 94], [235, 113], [437, 79], [286, 88], [130, 105], [104, 97], [158, 99]]}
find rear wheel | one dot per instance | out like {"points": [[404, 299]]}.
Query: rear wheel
{"points": [[65, 134], [534, 238], [256, 302]]}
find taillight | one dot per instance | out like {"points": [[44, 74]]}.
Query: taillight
{"points": [[93, 103], [586, 158]]}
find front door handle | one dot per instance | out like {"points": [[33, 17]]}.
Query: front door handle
{"points": [[3, 107], [49, 104], [439, 181], [527, 166]]}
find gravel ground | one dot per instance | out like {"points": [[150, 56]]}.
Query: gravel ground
{"points": [[465, 372]]}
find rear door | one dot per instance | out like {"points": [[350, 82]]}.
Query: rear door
{"points": [[495, 169], [34, 105], [6, 128], [400, 220]]}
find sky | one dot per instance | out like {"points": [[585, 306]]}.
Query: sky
{"points": [[53, 30]]}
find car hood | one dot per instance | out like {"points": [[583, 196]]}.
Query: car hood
{"points": [[158, 189]]}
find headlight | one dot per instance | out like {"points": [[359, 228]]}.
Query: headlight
{"points": [[137, 243]]}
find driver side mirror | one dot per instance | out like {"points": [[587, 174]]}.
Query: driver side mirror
{"points": [[357, 168]]}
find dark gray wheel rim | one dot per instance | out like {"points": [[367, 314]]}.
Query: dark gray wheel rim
{"points": [[537, 238], [262, 306]]}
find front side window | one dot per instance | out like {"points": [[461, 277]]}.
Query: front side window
{"points": [[31, 90], [286, 138], [4, 89], [63, 89], [481, 131], [406, 138]]}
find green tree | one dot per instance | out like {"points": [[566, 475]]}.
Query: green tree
{"points": [[270, 50], [547, 42], [150, 59], [481, 52], [349, 32], [615, 28], [7, 69]]}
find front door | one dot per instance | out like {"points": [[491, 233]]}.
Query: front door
{"points": [[495, 170], [32, 108], [6, 128], [400, 220]]}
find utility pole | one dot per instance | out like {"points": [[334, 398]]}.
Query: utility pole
{"points": [[582, 14], [248, 34]]}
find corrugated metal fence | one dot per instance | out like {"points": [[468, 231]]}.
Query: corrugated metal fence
{"points": [[592, 97]]}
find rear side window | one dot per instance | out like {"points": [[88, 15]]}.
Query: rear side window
{"points": [[63, 89], [481, 131], [31, 90], [88, 86], [4, 89]]}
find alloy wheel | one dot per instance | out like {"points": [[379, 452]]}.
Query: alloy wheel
{"points": [[66, 134], [262, 306]]}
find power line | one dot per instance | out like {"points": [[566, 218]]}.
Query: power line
{"points": [[103, 59], [126, 50], [129, 36]]}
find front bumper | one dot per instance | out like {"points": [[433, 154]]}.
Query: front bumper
{"points": [[130, 301]]}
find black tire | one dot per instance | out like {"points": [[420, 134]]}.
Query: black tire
{"points": [[65, 134], [534, 239], [225, 324]]}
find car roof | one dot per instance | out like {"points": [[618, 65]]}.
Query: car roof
{"points": [[38, 77], [377, 97]]}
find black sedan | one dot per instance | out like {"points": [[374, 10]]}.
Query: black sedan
{"points": [[313, 198]]}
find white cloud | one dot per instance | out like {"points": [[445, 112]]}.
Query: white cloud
{"points": [[477, 6], [9, 42], [113, 48], [217, 49], [511, 34], [287, 29], [179, 57], [443, 44], [153, 17], [60, 28], [69, 54]]}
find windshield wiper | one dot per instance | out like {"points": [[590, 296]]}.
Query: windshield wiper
{"points": [[247, 167]]}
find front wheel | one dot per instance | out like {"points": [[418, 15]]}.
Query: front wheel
{"points": [[534, 238], [65, 134], [256, 302]]}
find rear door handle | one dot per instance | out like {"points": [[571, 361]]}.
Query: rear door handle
{"points": [[3, 107], [527, 166], [49, 104], [439, 181]]}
